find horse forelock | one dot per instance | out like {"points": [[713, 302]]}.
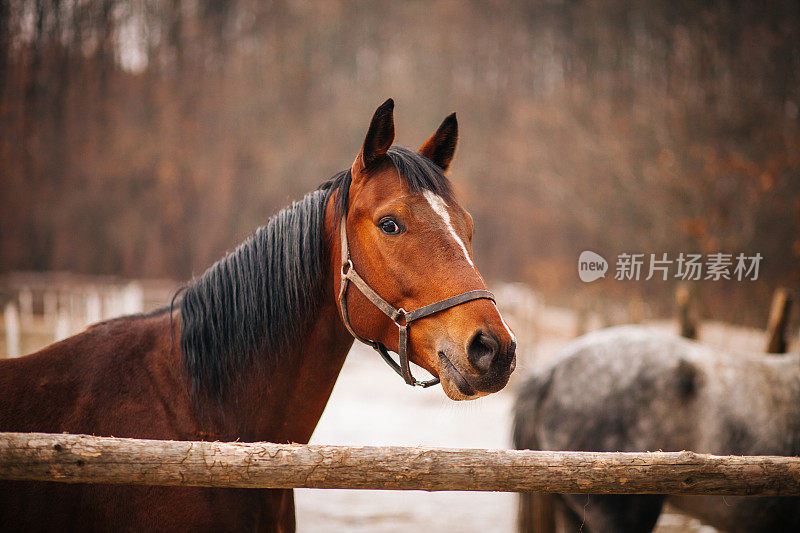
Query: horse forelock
{"points": [[418, 172]]}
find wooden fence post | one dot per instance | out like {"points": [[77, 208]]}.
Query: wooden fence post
{"points": [[536, 513], [778, 319], [687, 319], [87, 459]]}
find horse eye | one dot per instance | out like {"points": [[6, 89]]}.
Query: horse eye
{"points": [[389, 226]]}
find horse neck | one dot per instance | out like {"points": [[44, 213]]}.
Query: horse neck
{"points": [[284, 402]]}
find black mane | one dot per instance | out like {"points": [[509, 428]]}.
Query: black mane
{"points": [[257, 301]]}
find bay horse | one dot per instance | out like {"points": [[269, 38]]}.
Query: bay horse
{"points": [[635, 389], [260, 339]]}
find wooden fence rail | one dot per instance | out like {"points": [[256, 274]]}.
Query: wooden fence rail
{"points": [[85, 459]]}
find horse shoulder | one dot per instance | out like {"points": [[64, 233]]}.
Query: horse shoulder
{"points": [[118, 378]]}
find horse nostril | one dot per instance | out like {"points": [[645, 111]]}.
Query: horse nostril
{"points": [[482, 351]]}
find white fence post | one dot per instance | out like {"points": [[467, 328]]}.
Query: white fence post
{"points": [[12, 330], [132, 298], [94, 312], [50, 306], [26, 306], [62, 327]]}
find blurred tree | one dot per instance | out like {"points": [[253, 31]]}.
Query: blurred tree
{"points": [[146, 137]]}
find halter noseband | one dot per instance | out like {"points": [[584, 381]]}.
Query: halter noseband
{"points": [[400, 317]]}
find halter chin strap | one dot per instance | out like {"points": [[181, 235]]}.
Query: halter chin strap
{"points": [[400, 317]]}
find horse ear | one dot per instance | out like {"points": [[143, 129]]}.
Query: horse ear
{"points": [[380, 136], [442, 144]]}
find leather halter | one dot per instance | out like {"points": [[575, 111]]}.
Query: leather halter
{"points": [[400, 317]]}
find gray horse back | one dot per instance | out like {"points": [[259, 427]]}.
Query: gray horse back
{"points": [[634, 388]]}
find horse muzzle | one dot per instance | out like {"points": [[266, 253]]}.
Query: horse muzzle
{"points": [[488, 367]]}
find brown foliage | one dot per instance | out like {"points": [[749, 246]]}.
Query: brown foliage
{"points": [[145, 137]]}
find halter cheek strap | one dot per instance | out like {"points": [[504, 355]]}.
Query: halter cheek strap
{"points": [[400, 317]]}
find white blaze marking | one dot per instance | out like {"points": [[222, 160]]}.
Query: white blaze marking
{"points": [[440, 208], [503, 320]]}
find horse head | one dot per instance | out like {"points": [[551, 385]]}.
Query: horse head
{"points": [[407, 247]]}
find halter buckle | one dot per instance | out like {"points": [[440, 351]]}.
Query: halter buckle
{"points": [[399, 317], [346, 267]]}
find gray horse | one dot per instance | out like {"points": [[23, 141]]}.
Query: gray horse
{"points": [[632, 388]]}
